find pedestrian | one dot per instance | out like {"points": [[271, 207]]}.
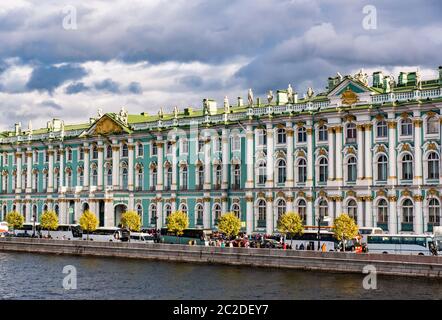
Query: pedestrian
{"points": [[324, 247]]}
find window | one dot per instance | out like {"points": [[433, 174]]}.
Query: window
{"points": [[69, 154], [167, 210], [35, 156], [5, 158], [153, 214], [407, 211], [352, 210], [281, 208], [140, 178], [432, 125], [407, 167], [217, 212], [323, 208], [262, 137], [302, 210], [154, 149], [185, 146], [236, 143], [169, 176], [236, 175], [217, 143], [58, 155], [262, 172], [322, 133], [124, 151], [199, 214], [35, 181], [406, 127], [218, 175], [69, 179], [109, 177], [169, 147], [323, 170], [154, 177], [124, 178], [381, 129], [200, 145], [351, 169], [433, 166], [302, 171], [382, 164], [261, 213], [236, 210], [382, 211], [200, 175], [351, 133], [108, 152], [94, 152], [140, 149], [302, 135], [94, 177], [281, 165], [184, 177], [434, 212], [81, 178], [81, 154], [45, 181], [140, 210], [281, 136], [183, 208]]}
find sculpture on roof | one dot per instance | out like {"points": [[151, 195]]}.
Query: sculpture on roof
{"points": [[340, 77], [123, 115], [290, 93], [100, 112], [29, 132], [161, 113], [270, 96], [250, 97], [175, 112], [226, 105], [362, 77], [310, 92]]}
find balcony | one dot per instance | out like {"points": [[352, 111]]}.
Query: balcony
{"points": [[261, 223], [406, 226]]}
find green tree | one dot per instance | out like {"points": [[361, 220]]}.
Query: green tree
{"points": [[229, 224], [290, 222], [131, 220], [176, 222], [88, 222], [345, 228], [15, 220], [49, 221]]}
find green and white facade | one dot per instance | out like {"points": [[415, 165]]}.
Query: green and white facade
{"points": [[372, 151]]}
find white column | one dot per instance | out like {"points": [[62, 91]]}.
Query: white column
{"points": [[130, 169], [310, 163], [331, 209], [18, 185], [360, 140], [109, 217], [225, 159], [77, 210], [290, 206], [249, 213], [338, 151], [159, 204], [338, 206], [160, 172], [28, 211], [310, 211], [174, 165], [224, 204], [270, 156], [368, 212], [62, 207], [392, 177], [50, 186], [29, 170], [331, 154], [173, 203], [418, 219], [368, 155], [269, 213], [392, 215], [115, 165], [207, 165], [417, 152], [360, 212], [207, 211], [61, 172], [290, 167], [100, 168], [86, 166], [249, 158]]}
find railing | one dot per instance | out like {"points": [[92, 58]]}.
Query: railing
{"points": [[406, 226]]}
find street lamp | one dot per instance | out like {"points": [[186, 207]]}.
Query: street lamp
{"points": [[34, 217]]}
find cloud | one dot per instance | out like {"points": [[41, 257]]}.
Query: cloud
{"points": [[135, 88], [76, 87], [107, 85]]}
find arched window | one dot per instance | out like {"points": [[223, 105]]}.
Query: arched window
{"points": [[81, 153], [407, 212], [434, 212], [200, 176], [261, 213], [81, 177], [262, 172], [199, 214], [432, 125], [236, 176], [57, 210], [381, 129], [236, 210], [406, 127], [140, 210], [108, 151], [352, 210], [351, 133], [382, 211], [35, 181], [351, 169], [140, 178], [302, 135], [407, 167], [183, 208], [323, 170], [184, 145], [168, 210], [153, 214], [382, 167], [34, 213], [302, 170], [302, 210], [218, 176], [281, 136], [281, 207], [262, 137], [184, 177], [69, 179], [109, 176], [154, 177], [94, 177], [322, 133], [169, 176], [281, 165], [124, 178], [433, 166], [217, 213], [236, 143], [94, 152], [45, 208], [323, 208], [69, 154], [140, 149], [124, 151]]}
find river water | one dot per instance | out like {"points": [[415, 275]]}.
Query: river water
{"points": [[37, 276]]}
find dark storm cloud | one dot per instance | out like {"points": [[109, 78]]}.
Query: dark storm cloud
{"points": [[135, 88], [107, 85], [50, 77], [52, 105], [76, 87]]}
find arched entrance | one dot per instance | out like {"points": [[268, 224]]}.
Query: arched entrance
{"points": [[119, 210], [71, 212], [101, 213]]}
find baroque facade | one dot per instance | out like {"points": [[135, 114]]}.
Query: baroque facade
{"points": [[370, 151]]}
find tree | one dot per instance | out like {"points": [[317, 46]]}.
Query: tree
{"points": [[290, 222], [88, 222], [131, 220], [15, 220], [229, 224], [49, 221], [176, 222], [345, 228]]}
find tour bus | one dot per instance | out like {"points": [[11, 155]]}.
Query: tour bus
{"points": [[27, 230], [413, 244], [107, 234], [140, 237], [63, 232], [308, 240], [189, 236], [365, 231]]}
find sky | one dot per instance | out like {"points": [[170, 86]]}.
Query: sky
{"points": [[65, 59]]}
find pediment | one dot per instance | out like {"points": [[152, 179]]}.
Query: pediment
{"points": [[349, 92], [106, 125]]}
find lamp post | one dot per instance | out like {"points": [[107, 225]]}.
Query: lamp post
{"points": [[34, 217], [319, 229]]}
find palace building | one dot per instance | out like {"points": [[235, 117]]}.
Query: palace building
{"points": [[370, 150]]}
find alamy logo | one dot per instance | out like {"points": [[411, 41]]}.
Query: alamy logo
{"points": [[70, 18], [370, 280], [370, 20], [70, 281]]}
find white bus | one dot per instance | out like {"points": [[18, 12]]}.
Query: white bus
{"points": [[109, 234], [365, 231], [309, 240], [414, 244], [63, 232], [139, 237], [27, 230]]}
